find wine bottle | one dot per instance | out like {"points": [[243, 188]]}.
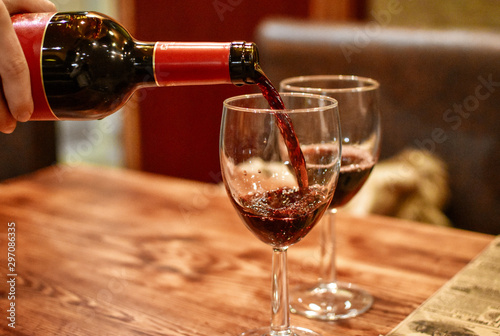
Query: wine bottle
{"points": [[85, 65]]}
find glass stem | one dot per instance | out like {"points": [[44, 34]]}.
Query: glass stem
{"points": [[280, 322], [328, 274]]}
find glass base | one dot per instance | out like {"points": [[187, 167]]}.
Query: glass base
{"points": [[329, 302], [294, 331]]}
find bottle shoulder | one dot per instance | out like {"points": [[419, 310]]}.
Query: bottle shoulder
{"points": [[90, 26]]}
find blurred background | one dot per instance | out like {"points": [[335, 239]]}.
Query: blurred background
{"points": [[223, 20], [174, 131]]}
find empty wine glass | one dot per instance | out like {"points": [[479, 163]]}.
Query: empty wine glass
{"points": [[275, 205], [360, 128]]}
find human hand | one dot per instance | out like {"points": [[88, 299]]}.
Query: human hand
{"points": [[16, 103]]}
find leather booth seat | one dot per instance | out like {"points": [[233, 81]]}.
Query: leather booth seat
{"points": [[440, 91]]}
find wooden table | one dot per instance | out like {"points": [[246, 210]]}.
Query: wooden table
{"points": [[101, 251]]}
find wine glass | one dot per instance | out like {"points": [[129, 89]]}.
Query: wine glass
{"points": [[275, 205], [330, 299]]}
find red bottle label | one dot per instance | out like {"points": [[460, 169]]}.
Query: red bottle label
{"points": [[30, 29], [177, 63]]}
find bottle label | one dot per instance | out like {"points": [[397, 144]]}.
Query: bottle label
{"points": [[177, 63], [30, 29]]}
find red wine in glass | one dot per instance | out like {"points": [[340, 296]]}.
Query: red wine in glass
{"points": [[355, 168], [283, 216]]}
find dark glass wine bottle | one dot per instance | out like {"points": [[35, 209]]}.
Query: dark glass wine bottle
{"points": [[85, 65]]}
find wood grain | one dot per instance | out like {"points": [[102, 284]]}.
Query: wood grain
{"points": [[104, 251]]}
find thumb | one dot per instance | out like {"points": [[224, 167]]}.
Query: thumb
{"points": [[29, 6]]}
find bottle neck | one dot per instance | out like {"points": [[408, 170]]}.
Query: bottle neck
{"points": [[244, 63], [143, 63], [195, 63]]}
